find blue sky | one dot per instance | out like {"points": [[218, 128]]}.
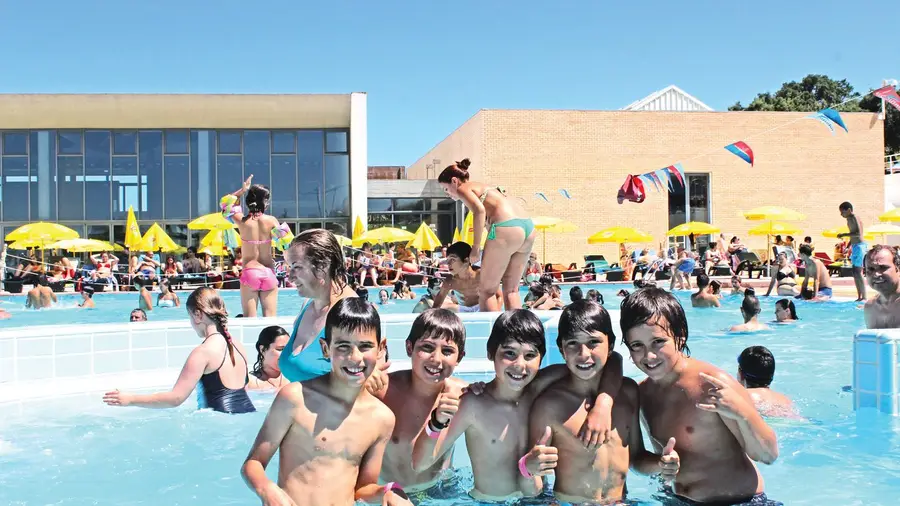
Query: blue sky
{"points": [[428, 66]]}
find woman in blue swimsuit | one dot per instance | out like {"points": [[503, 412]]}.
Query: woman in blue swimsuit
{"points": [[316, 267], [217, 368], [509, 241]]}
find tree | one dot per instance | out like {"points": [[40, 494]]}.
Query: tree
{"points": [[816, 92]]}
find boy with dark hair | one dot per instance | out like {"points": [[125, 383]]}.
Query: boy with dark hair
{"points": [[592, 475], [331, 431], [463, 280], [858, 247], [87, 297], [41, 295], [711, 415], [704, 296], [815, 269], [495, 422], [575, 294], [756, 370]]}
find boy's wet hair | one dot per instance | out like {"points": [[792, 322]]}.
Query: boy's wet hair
{"points": [[461, 250], [438, 323], [519, 325], [757, 365], [352, 315], [651, 304], [575, 294], [702, 281], [88, 290], [845, 206], [595, 296], [585, 317], [805, 249], [750, 304]]}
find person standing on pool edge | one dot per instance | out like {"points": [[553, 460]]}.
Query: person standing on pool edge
{"points": [[509, 240], [712, 417], [858, 247]]}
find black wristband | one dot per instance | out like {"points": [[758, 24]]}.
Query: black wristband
{"points": [[435, 424]]}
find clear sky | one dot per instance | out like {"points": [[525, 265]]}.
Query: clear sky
{"points": [[428, 65]]}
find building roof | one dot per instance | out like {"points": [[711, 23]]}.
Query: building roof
{"points": [[670, 98]]}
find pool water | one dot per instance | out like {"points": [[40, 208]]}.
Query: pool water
{"points": [[65, 452]]}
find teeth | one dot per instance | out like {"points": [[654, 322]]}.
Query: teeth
{"points": [[355, 370], [433, 370], [584, 366], [516, 376]]}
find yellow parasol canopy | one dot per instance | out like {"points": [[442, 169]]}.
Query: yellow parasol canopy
{"points": [[84, 246], [425, 239], [343, 240], [456, 236], [468, 230], [833, 232], [211, 221], [773, 213], [880, 229], [554, 226], [358, 228], [156, 239], [215, 239], [693, 227], [774, 228], [42, 232], [383, 235], [892, 215], [132, 231], [619, 235]]}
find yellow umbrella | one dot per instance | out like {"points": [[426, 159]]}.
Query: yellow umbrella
{"points": [[892, 215], [25, 244], [880, 229], [425, 239], [468, 230], [619, 235], [343, 240], [456, 237], [358, 228], [132, 231], [772, 213], [42, 231], [693, 227], [542, 222], [383, 235], [553, 225], [833, 232], [156, 239], [774, 228], [84, 246], [215, 239], [211, 221]]}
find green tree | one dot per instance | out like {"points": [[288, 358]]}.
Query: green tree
{"points": [[815, 92]]}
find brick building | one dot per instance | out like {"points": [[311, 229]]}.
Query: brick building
{"points": [[798, 165]]}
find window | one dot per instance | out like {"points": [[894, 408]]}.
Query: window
{"points": [[150, 170], [377, 220], [230, 143], [176, 172], [203, 174], [379, 205], [125, 188], [228, 174], [690, 203], [43, 175], [336, 142], [309, 173], [283, 201], [15, 143], [338, 227], [124, 143], [283, 142], [70, 187], [70, 143], [178, 233], [176, 142], [97, 175], [337, 185], [256, 156], [15, 188], [98, 232], [409, 204]]}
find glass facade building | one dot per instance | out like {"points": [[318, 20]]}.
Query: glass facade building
{"points": [[87, 179], [408, 213]]}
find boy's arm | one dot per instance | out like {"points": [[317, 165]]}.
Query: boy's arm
{"points": [[442, 294], [367, 487], [735, 407], [598, 424], [53, 296], [275, 427], [427, 450], [541, 458]]}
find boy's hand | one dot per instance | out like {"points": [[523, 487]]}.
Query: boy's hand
{"points": [[597, 427], [541, 460], [275, 496], [378, 381], [116, 398], [447, 404], [392, 499], [722, 399], [476, 388], [669, 462]]}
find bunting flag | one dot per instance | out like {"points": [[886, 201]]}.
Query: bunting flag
{"points": [[824, 119], [542, 196], [656, 181], [889, 95], [835, 117], [742, 150], [565, 193], [677, 171], [663, 175]]}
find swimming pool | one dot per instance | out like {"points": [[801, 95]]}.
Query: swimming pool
{"points": [[71, 452]]}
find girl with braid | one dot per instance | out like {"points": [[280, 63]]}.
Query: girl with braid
{"points": [[217, 367]]}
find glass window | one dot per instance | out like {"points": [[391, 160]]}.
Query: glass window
{"points": [[228, 174], [176, 142], [282, 142], [118, 232], [97, 175], [178, 233], [380, 220], [70, 187], [124, 143], [283, 202], [338, 227], [78, 228], [70, 142], [125, 187], [409, 204], [300, 227], [203, 173], [15, 143], [256, 156], [15, 188], [309, 173], [408, 222], [43, 175], [336, 142], [151, 176], [446, 224], [337, 185], [379, 205], [178, 195], [98, 232], [230, 143]]}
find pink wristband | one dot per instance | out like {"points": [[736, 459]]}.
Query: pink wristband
{"points": [[433, 434], [524, 468], [390, 486]]}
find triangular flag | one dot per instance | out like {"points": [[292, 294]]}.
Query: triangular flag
{"points": [[647, 180], [663, 175], [889, 95], [541, 195], [565, 193], [825, 121], [835, 117], [677, 171], [656, 181], [742, 150]]}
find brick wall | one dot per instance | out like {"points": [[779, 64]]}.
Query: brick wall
{"points": [[467, 141], [799, 165]]}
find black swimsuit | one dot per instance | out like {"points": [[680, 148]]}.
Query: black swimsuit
{"points": [[213, 394]]}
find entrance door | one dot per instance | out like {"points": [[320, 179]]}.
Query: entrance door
{"points": [[690, 202]]}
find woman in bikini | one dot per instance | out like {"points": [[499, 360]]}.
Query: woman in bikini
{"points": [[510, 237], [786, 278], [258, 281]]}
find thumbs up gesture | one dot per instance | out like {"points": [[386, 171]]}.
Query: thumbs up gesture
{"points": [[379, 379], [447, 404], [669, 462], [541, 460]]}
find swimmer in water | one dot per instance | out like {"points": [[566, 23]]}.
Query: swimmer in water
{"points": [[266, 375], [167, 297], [594, 474], [331, 432], [87, 297], [756, 370], [750, 311], [40, 296], [464, 282], [785, 311], [494, 417], [144, 301], [704, 296], [711, 416], [736, 287]]}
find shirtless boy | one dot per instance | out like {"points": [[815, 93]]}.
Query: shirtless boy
{"points": [[595, 475], [435, 345], [331, 431], [495, 423], [858, 247], [883, 274], [756, 370], [711, 416], [816, 270], [87, 297], [704, 296], [464, 280], [41, 295]]}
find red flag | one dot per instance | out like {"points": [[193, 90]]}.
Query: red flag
{"points": [[889, 95]]}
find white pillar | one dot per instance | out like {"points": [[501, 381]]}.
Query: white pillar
{"points": [[876, 370], [359, 160]]}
